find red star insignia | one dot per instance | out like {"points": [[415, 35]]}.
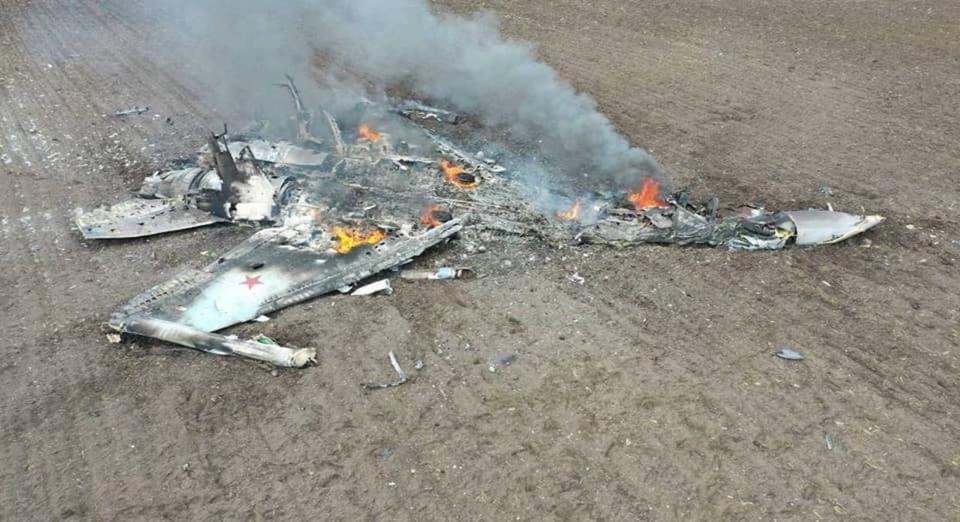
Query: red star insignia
{"points": [[252, 282]]}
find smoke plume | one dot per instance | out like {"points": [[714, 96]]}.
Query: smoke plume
{"points": [[462, 62]]}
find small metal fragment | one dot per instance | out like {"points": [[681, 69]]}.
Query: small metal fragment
{"points": [[377, 287], [438, 274], [401, 376], [132, 112], [502, 361], [790, 355], [385, 453]]}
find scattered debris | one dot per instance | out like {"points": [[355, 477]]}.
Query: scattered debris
{"points": [[438, 274], [261, 319], [418, 365], [132, 112], [329, 214], [382, 285], [825, 190], [829, 441], [401, 376], [911, 227], [113, 338], [385, 453], [502, 361], [789, 354], [416, 110], [576, 278]]}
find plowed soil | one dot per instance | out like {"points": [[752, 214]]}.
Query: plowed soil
{"points": [[649, 391]]}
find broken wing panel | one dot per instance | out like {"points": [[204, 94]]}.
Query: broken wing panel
{"points": [[265, 274], [141, 218]]}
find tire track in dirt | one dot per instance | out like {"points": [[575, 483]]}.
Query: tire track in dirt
{"points": [[163, 82], [40, 234], [47, 485], [870, 378], [803, 106]]}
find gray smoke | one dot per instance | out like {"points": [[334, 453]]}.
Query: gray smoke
{"points": [[464, 63]]}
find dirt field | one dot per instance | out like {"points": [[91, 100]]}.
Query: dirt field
{"points": [[647, 392]]}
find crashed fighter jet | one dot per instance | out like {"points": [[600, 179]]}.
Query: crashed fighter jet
{"points": [[312, 245], [275, 268]]}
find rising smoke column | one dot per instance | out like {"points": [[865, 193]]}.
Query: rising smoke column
{"points": [[468, 64], [241, 48]]}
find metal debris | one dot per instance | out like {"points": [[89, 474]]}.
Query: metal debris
{"points": [[758, 230], [336, 211], [191, 337], [264, 274], [401, 376], [502, 361], [340, 146], [825, 227], [790, 355], [438, 274], [385, 453], [416, 110], [303, 116], [132, 112], [377, 287]]}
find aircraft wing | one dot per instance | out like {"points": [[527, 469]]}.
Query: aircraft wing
{"points": [[264, 274], [143, 217]]}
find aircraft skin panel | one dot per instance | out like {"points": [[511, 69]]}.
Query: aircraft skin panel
{"points": [[141, 218], [265, 274]]}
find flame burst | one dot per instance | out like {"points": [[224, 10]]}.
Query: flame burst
{"points": [[368, 134], [348, 239], [573, 213], [458, 175], [648, 196], [434, 216]]}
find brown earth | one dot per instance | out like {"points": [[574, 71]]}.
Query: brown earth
{"points": [[647, 392]]}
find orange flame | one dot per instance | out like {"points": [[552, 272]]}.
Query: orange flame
{"points": [[572, 214], [366, 133], [348, 239], [648, 196], [429, 218], [455, 173]]}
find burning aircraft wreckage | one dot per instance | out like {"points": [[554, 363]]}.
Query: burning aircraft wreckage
{"points": [[339, 204]]}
